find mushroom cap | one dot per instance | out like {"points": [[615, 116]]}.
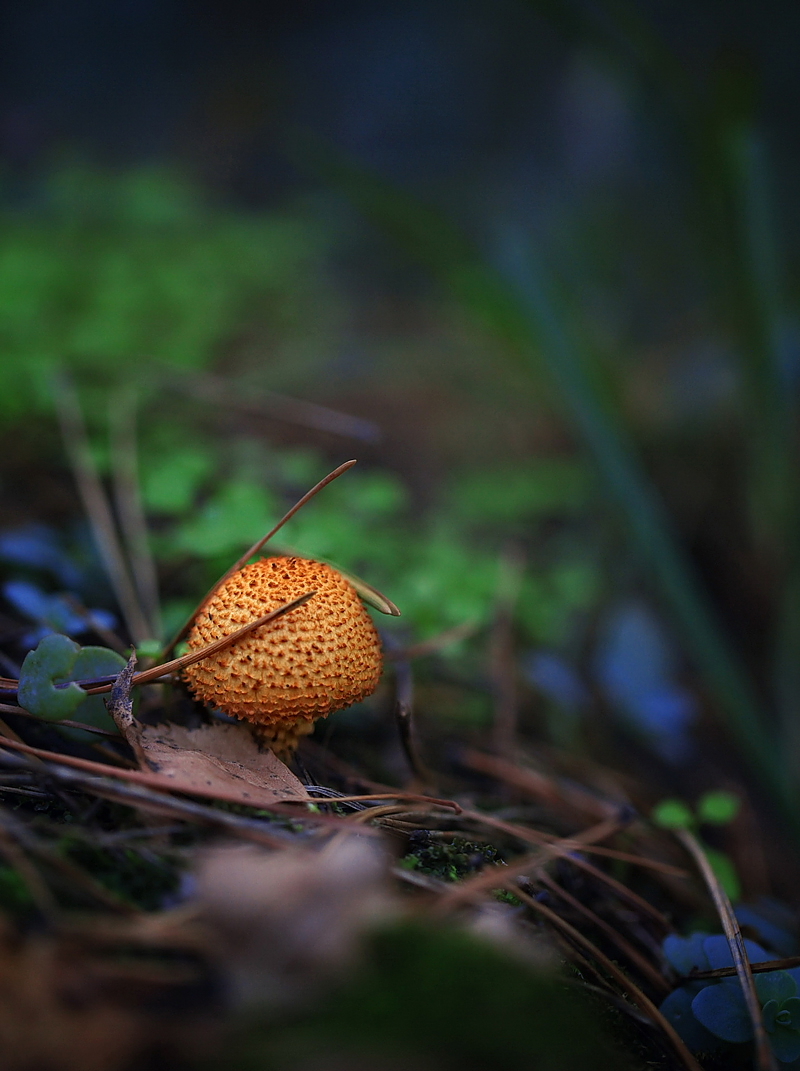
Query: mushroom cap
{"points": [[321, 657]]}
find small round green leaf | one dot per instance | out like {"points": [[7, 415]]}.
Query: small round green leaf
{"points": [[50, 664], [718, 807], [672, 814], [58, 660], [775, 985], [792, 1006], [768, 1014], [149, 648], [94, 662], [722, 1010]]}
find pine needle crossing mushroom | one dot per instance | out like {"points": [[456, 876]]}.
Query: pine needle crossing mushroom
{"points": [[324, 656]]}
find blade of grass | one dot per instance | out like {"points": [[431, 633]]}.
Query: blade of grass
{"points": [[221, 391], [516, 302], [128, 500], [730, 203], [647, 522], [755, 288], [98, 511]]}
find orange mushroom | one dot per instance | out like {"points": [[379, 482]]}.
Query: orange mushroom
{"points": [[321, 657]]}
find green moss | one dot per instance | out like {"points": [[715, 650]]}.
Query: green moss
{"points": [[448, 860], [506, 897]]}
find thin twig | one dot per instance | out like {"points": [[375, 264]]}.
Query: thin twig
{"points": [[503, 664], [177, 664], [161, 803], [414, 797], [535, 836], [785, 964], [404, 716], [16, 858], [644, 1002], [653, 975], [434, 644], [764, 1054], [538, 785], [494, 875], [307, 414], [256, 547], [50, 760], [20, 712]]}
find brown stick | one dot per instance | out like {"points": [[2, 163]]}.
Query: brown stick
{"points": [[764, 1054], [256, 547]]}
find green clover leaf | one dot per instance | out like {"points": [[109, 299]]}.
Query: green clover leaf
{"points": [[58, 660]]}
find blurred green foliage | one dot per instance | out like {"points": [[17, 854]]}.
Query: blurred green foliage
{"points": [[441, 999], [713, 808], [442, 568], [115, 275]]}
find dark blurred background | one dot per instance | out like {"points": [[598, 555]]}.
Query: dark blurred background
{"points": [[496, 97]]}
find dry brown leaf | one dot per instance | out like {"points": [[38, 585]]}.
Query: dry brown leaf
{"points": [[221, 760]]}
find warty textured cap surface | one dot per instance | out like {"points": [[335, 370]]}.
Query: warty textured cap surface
{"points": [[321, 657]]}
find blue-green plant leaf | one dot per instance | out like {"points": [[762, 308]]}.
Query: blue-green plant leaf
{"points": [[57, 660], [792, 1005], [775, 985], [785, 1043], [686, 953], [96, 662], [677, 1009], [718, 952], [772, 923], [43, 668], [722, 1010], [768, 1013]]}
